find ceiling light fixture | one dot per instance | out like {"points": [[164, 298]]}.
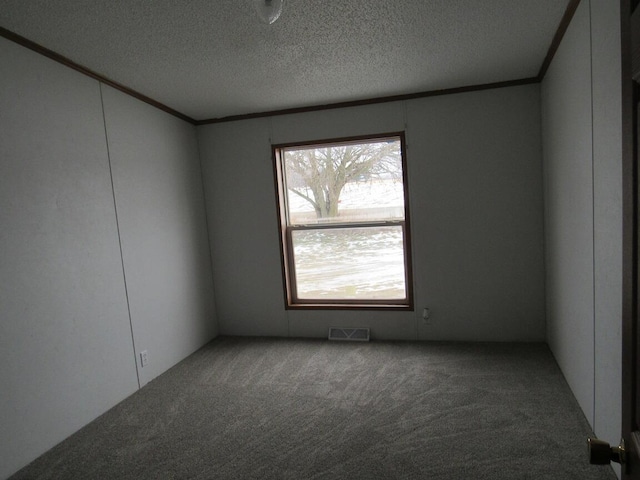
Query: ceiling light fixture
{"points": [[268, 10]]}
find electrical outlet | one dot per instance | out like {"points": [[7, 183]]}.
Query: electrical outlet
{"points": [[144, 358], [426, 316]]}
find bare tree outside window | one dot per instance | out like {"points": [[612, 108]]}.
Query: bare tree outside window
{"points": [[319, 175]]}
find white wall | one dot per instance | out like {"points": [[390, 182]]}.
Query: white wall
{"points": [[476, 192], [65, 340], [160, 206], [475, 186], [66, 347], [568, 180], [607, 167], [583, 188]]}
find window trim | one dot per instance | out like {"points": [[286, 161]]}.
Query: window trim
{"points": [[292, 302]]}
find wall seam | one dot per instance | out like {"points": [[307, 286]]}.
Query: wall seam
{"points": [[543, 184], [115, 208], [206, 223], [593, 216]]}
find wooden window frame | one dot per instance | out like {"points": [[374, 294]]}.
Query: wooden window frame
{"points": [[292, 301]]}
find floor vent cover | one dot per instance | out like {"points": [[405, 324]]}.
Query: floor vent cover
{"points": [[352, 334]]}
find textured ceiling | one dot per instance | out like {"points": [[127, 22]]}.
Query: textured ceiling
{"points": [[213, 58]]}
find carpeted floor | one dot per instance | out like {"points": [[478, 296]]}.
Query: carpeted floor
{"points": [[258, 408]]}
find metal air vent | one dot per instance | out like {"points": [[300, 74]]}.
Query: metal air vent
{"points": [[351, 334]]}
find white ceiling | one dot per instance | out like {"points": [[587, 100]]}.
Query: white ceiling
{"points": [[213, 58]]}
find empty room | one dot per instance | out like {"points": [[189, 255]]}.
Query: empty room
{"points": [[317, 239]]}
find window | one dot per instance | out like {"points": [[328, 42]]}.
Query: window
{"points": [[344, 223]]}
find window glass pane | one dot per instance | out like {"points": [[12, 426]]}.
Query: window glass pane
{"points": [[350, 263], [344, 183]]}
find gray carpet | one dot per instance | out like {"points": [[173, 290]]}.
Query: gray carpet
{"points": [[257, 408]]}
